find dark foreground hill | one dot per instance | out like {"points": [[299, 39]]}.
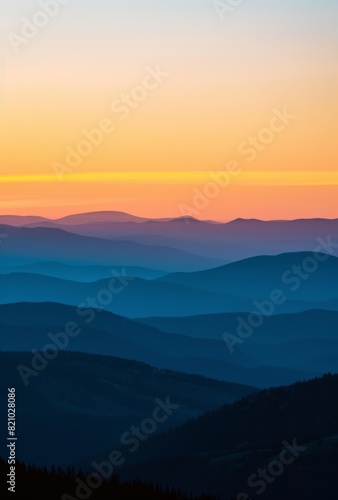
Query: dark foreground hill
{"points": [[226, 450], [274, 445], [76, 405], [41, 484]]}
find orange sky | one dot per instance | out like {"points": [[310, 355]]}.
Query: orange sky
{"points": [[221, 86]]}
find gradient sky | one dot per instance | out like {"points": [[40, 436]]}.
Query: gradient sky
{"points": [[224, 80]]}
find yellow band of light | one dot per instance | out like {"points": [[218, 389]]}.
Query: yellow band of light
{"points": [[241, 178]]}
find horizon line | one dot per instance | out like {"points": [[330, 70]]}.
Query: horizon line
{"points": [[165, 219]]}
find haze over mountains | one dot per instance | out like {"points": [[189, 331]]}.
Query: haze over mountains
{"points": [[79, 273], [49, 264], [241, 286], [300, 275], [229, 241], [30, 245], [285, 349]]}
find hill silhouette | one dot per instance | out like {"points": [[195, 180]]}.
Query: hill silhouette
{"points": [[222, 449], [92, 400], [257, 277], [231, 241], [54, 483], [26, 245], [27, 325]]}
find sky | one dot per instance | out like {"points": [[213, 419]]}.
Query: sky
{"points": [[165, 107]]}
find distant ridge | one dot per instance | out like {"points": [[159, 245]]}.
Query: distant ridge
{"points": [[224, 241], [119, 216]]}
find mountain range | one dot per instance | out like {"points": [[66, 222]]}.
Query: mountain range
{"points": [[246, 285], [107, 317], [43, 244], [270, 357], [229, 241]]}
